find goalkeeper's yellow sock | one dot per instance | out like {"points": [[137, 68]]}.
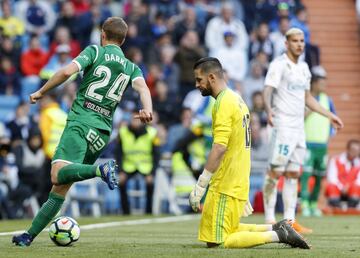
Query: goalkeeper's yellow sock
{"points": [[254, 227], [245, 239]]}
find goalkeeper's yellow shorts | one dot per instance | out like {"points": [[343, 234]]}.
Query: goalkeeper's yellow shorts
{"points": [[220, 217]]}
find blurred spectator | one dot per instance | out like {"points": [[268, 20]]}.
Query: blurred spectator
{"points": [[204, 10], [19, 127], [9, 78], [135, 55], [137, 154], [138, 14], [278, 36], [60, 59], [264, 10], [67, 18], [261, 42], [37, 15], [9, 50], [153, 76], [164, 104], [233, 58], [16, 193], [188, 23], [177, 131], [154, 50], [300, 21], [318, 132], [9, 24], [170, 70], [187, 54], [282, 12], [89, 23], [262, 58], [52, 122], [166, 7], [214, 33], [343, 176], [134, 39], [159, 26], [258, 106], [80, 6], [63, 37], [34, 59], [237, 7], [68, 95], [259, 145], [253, 82], [259, 156], [30, 158]]}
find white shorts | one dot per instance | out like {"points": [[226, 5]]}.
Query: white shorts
{"points": [[287, 149]]}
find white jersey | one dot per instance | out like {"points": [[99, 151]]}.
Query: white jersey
{"points": [[290, 81]]}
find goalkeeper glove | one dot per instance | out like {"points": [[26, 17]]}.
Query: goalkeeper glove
{"points": [[248, 210], [199, 190]]}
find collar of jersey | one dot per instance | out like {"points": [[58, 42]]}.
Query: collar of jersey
{"points": [[289, 61]]}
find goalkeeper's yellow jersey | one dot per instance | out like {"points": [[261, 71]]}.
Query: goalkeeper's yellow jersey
{"points": [[231, 120]]}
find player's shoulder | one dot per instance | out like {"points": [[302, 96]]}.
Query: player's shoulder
{"points": [[279, 61], [230, 99]]}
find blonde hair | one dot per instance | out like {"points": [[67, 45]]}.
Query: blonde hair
{"points": [[115, 29], [293, 31]]}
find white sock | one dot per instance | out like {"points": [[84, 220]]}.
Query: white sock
{"points": [[274, 237], [269, 193], [289, 196]]}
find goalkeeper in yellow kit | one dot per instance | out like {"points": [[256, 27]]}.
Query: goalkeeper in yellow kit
{"points": [[227, 172]]}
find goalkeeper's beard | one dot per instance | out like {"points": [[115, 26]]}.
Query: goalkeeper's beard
{"points": [[206, 91]]}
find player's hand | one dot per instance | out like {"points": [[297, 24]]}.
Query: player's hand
{"points": [[336, 122], [144, 116], [248, 210], [34, 97], [270, 118], [195, 197]]}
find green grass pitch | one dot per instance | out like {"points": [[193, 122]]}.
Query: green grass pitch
{"points": [[333, 237]]}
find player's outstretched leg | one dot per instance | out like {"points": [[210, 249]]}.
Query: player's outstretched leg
{"points": [[289, 236], [108, 172], [46, 213]]}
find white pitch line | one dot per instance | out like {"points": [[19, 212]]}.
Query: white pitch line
{"points": [[124, 223]]}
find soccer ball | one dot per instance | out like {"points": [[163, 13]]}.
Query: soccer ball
{"points": [[64, 231]]}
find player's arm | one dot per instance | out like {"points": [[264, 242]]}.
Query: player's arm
{"points": [[267, 93], [311, 103], [222, 128], [145, 114], [214, 159], [58, 78]]}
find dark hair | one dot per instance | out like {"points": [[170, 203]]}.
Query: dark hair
{"points": [[351, 142], [209, 65], [115, 29]]}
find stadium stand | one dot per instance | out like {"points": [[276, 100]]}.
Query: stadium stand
{"points": [[164, 40]]}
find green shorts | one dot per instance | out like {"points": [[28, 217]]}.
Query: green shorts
{"points": [[315, 161], [80, 143]]}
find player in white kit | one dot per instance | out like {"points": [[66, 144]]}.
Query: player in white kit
{"points": [[286, 92]]}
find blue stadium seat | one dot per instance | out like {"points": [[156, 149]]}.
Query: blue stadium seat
{"points": [[8, 106], [9, 102], [29, 85]]}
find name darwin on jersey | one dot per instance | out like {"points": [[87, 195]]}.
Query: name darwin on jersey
{"points": [[115, 58]]}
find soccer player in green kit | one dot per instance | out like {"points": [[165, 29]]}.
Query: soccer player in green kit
{"points": [[107, 73]]}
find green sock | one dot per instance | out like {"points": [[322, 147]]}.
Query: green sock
{"points": [[76, 172], [304, 180], [46, 213], [316, 191]]}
